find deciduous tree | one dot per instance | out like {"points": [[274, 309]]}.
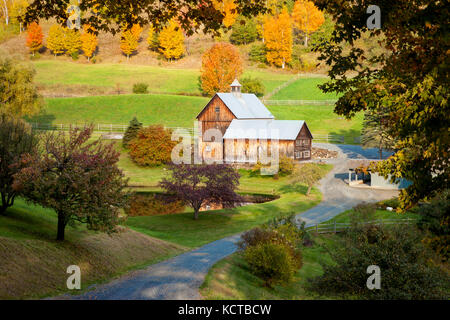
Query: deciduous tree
{"points": [[16, 141], [79, 179], [89, 41], [128, 42], [55, 39], [203, 184], [221, 64], [19, 8], [171, 41], [35, 37], [193, 15], [409, 77], [309, 174], [278, 39], [18, 94], [72, 41], [229, 10], [307, 17]]}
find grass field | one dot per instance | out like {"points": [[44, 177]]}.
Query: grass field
{"points": [[217, 224], [33, 264], [180, 111], [160, 79], [304, 89], [231, 278]]}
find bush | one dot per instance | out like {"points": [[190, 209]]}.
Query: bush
{"points": [[435, 222], [140, 88], [271, 262], [75, 55], [286, 166], [152, 146], [407, 268], [299, 61], [131, 132], [258, 53], [255, 86]]}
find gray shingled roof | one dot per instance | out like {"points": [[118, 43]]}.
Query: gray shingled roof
{"points": [[248, 106], [264, 129]]}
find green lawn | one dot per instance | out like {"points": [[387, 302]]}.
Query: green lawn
{"points": [[180, 111], [159, 79], [304, 89]]}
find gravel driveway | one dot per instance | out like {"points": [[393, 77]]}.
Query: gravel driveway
{"points": [[181, 276]]}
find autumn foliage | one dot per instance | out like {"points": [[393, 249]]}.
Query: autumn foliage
{"points": [[307, 17], [35, 37], [221, 64], [229, 10], [278, 39], [128, 42], [171, 41], [55, 40], [72, 41], [89, 41], [152, 146]]}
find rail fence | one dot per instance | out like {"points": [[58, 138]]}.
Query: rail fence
{"points": [[121, 128], [299, 102], [335, 227]]}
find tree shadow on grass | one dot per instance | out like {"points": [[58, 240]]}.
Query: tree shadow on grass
{"points": [[294, 188], [42, 117]]}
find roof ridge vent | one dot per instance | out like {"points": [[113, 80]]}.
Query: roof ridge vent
{"points": [[236, 88]]}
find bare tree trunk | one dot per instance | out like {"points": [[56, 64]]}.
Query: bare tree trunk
{"points": [[196, 214], [308, 191], [61, 227], [5, 11]]}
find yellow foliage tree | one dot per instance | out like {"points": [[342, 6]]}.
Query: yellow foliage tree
{"points": [[128, 42], [136, 29], [171, 41], [89, 41], [307, 17], [19, 8], [55, 40], [278, 39], [228, 9], [72, 41]]}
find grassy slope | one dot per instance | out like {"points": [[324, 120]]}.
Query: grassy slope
{"points": [[231, 278], [33, 264], [182, 229], [304, 89], [180, 111], [160, 79]]}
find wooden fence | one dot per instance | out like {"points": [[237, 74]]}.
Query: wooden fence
{"points": [[335, 227], [299, 102]]}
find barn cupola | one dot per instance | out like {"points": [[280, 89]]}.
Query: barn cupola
{"points": [[236, 88]]}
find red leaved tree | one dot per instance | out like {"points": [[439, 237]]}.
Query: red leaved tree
{"points": [[77, 178], [203, 184], [35, 37]]}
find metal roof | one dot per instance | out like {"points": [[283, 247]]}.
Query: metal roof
{"points": [[264, 129], [247, 106]]}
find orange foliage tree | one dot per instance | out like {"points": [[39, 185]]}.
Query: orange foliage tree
{"points": [[89, 41], [307, 17], [171, 41], [221, 64], [35, 37], [128, 42], [278, 39]]}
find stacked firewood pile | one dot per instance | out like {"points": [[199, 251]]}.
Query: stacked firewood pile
{"points": [[318, 153]]}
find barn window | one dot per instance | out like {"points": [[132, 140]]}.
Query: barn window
{"points": [[298, 142], [306, 154], [305, 142], [297, 155], [217, 109]]}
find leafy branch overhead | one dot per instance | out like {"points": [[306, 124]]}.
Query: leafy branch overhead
{"points": [[110, 15]]}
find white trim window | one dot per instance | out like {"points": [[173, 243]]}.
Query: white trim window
{"points": [[306, 154]]}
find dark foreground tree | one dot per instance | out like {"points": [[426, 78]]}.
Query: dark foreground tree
{"points": [[375, 132], [110, 15], [16, 141], [198, 185], [77, 178], [408, 77]]}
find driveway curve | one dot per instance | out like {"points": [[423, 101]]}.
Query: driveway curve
{"points": [[181, 276]]}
